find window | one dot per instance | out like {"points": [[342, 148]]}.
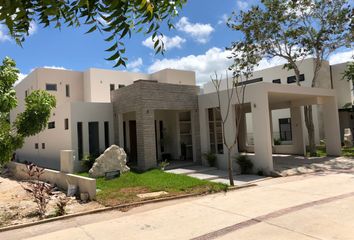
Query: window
{"points": [[50, 87], [292, 79], [43, 145], [106, 134], [250, 81], [36, 146], [26, 93], [121, 86], [285, 129], [111, 87], [66, 123], [51, 125], [215, 131], [276, 81], [67, 90], [79, 140]]}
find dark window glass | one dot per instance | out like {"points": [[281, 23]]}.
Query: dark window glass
{"points": [[292, 79], [66, 124], [111, 87], [106, 134], [79, 140], [121, 86], [36, 146], [43, 145], [26, 93], [285, 129], [276, 81], [51, 125], [50, 87], [67, 90], [249, 81]]}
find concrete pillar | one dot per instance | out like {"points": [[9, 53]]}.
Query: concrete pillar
{"points": [[204, 132], [145, 132], [263, 158], [120, 130], [196, 136], [297, 130], [230, 129], [67, 161], [242, 135], [331, 126]]}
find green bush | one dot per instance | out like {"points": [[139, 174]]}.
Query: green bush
{"points": [[277, 141], [211, 158], [245, 164], [87, 161]]}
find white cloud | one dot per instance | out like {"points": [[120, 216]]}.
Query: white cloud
{"points": [[213, 60], [223, 19], [3, 34], [198, 31], [242, 5], [341, 57], [135, 65], [32, 29], [169, 43]]}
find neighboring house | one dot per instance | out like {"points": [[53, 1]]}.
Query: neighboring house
{"points": [[83, 118], [330, 76], [163, 116]]}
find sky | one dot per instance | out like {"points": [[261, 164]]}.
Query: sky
{"points": [[198, 43]]}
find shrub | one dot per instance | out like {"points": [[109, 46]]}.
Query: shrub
{"points": [[40, 191], [87, 161], [60, 206], [163, 165], [245, 164], [211, 158], [277, 141]]}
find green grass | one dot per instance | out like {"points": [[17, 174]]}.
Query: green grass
{"points": [[321, 151], [125, 188]]}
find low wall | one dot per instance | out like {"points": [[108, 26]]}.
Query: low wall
{"points": [[61, 179]]}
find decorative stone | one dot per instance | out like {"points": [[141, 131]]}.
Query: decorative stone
{"points": [[348, 138], [152, 194], [113, 159]]}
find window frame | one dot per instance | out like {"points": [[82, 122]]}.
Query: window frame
{"points": [[51, 125], [48, 87]]}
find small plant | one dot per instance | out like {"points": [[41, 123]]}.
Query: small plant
{"points": [[88, 161], [211, 158], [60, 206], [163, 165], [40, 191], [245, 164], [277, 141]]}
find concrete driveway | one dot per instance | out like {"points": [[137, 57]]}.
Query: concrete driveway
{"points": [[317, 206]]}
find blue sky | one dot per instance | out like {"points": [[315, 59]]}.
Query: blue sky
{"points": [[198, 43]]}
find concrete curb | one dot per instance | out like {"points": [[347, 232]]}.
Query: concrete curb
{"points": [[104, 209]]}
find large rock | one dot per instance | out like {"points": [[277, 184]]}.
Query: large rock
{"points": [[113, 159], [348, 138]]}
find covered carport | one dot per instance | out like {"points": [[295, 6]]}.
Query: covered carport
{"points": [[260, 99]]}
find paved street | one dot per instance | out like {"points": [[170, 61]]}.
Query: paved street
{"points": [[317, 206]]}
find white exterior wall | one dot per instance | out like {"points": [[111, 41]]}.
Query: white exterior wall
{"points": [[343, 87]]}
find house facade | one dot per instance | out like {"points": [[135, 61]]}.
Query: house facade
{"points": [[162, 116]]}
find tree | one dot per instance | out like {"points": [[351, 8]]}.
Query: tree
{"points": [[235, 92], [293, 30], [116, 19], [349, 72], [28, 123]]}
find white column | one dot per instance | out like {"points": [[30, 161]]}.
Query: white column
{"points": [[263, 158], [331, 126], [297, 130], [230, 128], [204, 132], [120, 130]]}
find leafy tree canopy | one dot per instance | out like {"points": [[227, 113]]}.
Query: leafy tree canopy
{"points": [[30, 122], [117, 19]]}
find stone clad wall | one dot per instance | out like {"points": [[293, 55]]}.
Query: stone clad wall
{"points": [[144, 97]]}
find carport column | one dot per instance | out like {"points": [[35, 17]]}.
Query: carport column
{"points": [[230, 129], [263, 158], [145, 132], [331, 126], [204, 132], [297, 130]]}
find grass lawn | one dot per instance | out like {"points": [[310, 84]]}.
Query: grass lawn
{"points": [[125, 188], [321, 151]]}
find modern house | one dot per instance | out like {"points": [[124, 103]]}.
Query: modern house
{"points": [[163, 115]]}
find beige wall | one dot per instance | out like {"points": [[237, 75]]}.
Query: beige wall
{"points": [[344, 88], [175, 77]]}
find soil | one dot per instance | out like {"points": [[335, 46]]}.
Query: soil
{"points": [[17, 205]]}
